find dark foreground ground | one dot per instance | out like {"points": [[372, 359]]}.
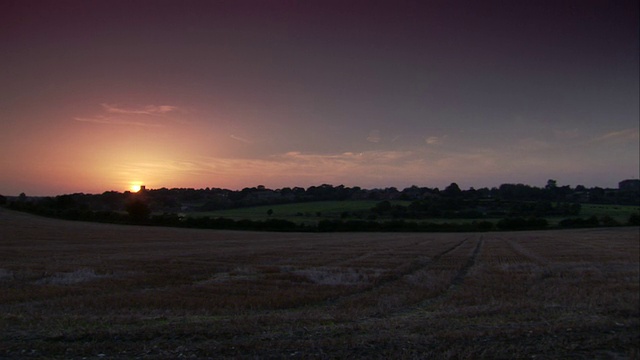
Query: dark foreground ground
{"points": [[82, 290]]}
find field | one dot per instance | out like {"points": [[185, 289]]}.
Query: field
{"points": [[86, 290], [304, 212], [619, 213], [312, 212]]}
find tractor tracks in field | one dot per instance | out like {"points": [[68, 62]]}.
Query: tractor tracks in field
{"points": [[527, 254], [383, 250], [384, 284], [458, 279], [416, 266], [383, 289], [394, 276]]}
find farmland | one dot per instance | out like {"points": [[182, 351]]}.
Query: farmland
{"points": [[312, 212], [297, 212], [90, 290]]}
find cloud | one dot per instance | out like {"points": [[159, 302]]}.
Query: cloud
{"points": [[147, 110], [435, 140], [374, 136], [361, 158], [531, 144], [567, 134], [368, 168], [417, 166], [115, 121], [116, 115], [621, 136], [241, 139]]}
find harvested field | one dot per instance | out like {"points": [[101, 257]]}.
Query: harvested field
{"points": [[85, 290]]}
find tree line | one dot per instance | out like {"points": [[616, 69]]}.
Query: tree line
{"points": [[511, 206]]}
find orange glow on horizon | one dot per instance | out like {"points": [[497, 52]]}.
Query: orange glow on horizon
{"points": [[135, 187]]}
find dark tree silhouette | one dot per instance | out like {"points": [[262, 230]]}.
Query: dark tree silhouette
{"points": [[453, 190], [138, 210]]}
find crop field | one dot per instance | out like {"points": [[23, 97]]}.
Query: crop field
{"points": [[78, 290]]}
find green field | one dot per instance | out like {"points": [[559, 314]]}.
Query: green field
{"points": [[620, 213], [311, 212], [307, 212]]}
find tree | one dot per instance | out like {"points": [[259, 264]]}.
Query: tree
{"points": [[453, 190], [382, 207], [269, 212], [138, 210], [551, 184]]}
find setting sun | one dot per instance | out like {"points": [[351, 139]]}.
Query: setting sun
{"points": [[135, 187]]}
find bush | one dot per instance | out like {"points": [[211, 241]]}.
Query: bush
{"points": [[483, 225], [579, 222], [609, 221], [138, 210], [519, 223]]}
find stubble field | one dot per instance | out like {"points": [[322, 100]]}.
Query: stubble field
{"points": [[84, 290]]}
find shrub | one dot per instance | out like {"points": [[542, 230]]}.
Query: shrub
{"points": [[579, 222], [138, 210], [519, 223], [609, 221], [483, 225]]}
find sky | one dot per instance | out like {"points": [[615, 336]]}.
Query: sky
{"points": [[102, 95]]}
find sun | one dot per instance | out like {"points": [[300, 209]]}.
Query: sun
{"points": [[136, 187]]}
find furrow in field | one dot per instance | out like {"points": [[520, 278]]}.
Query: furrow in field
{"points": [[441, 277], [526, 253], [378, 249], [397, 290], [462, 273], [405, 270]]}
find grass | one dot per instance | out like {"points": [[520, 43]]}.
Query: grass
{"points": [[311, 212], [297, 212], [620, 213], [87, 290]]}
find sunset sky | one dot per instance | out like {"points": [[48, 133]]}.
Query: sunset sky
{"points": [[101, 95]]}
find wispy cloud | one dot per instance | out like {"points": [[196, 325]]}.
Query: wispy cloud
{"points": [[147, 116], [147, 110], [435, 140], [531, 144], [374, 136], [241, 139], [626, 135], [115, 121], [359, 168], [421, 165], [566, 134]]}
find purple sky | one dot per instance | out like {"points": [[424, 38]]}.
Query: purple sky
{"points": [[101, 95]]}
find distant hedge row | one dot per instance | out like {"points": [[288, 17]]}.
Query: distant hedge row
{"points": [[174, 220]]}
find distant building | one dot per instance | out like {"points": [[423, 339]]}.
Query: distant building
{"points": [[629, 185], [143, 188]]}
